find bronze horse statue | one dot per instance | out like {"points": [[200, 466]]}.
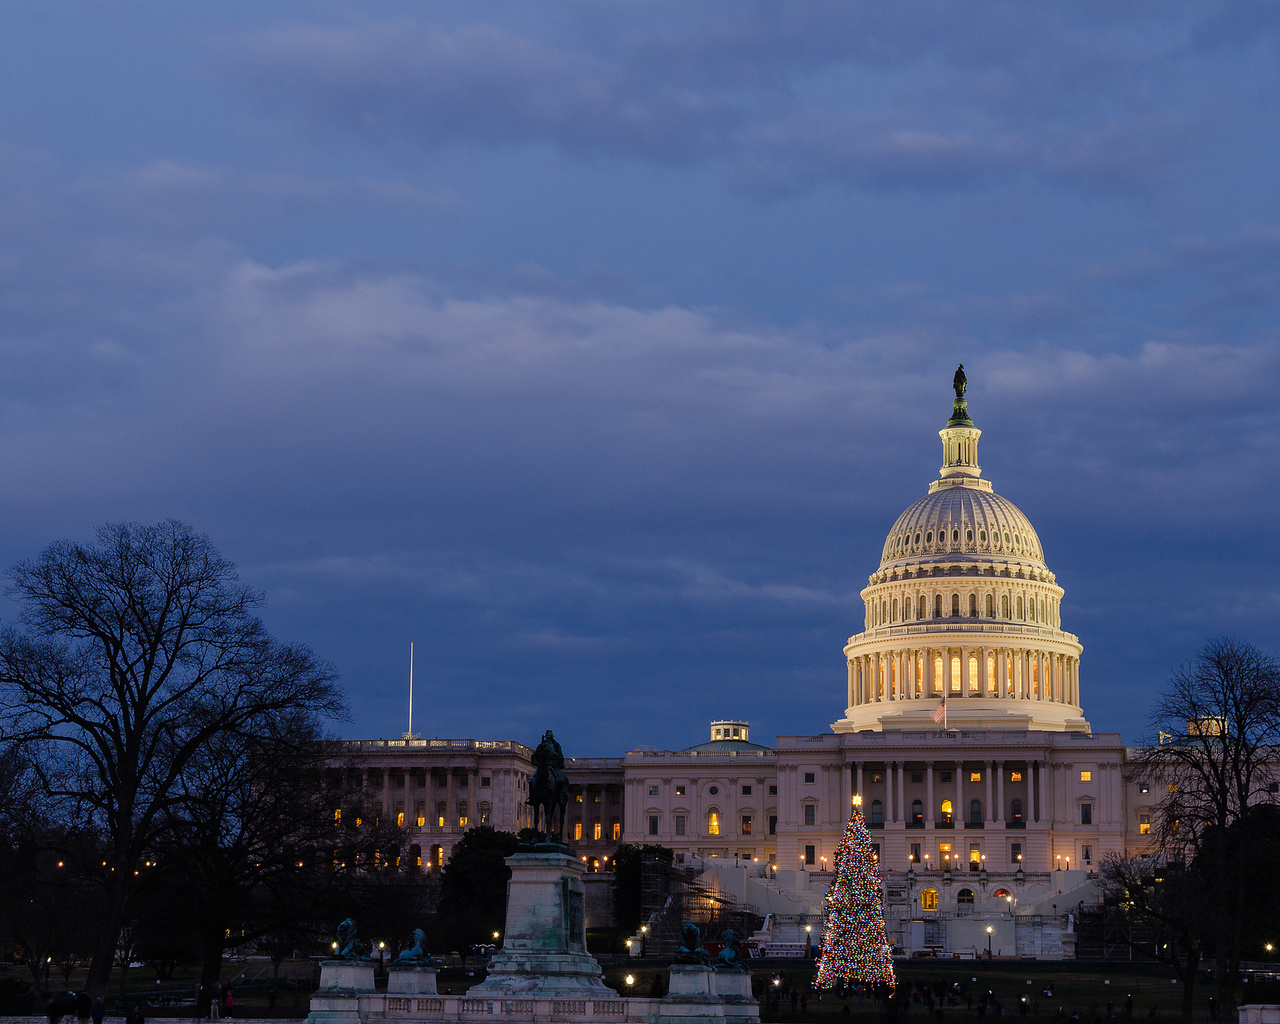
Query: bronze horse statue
{"points": [[549, 788]]}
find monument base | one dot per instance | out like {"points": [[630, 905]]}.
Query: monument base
{"points": [[544, 950], [346, 994], [699, 993]]}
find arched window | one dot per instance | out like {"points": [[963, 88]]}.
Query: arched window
{"points": [[917, 812], [929, 899], [955, 536], [965, 896], [928, 537], [937, 606], [713, 823], [1004, 606], [955, 605], [1032, 609], [924, 605], [991, 607], [877, 812], [946, 813], [884, 611], [893, 612], [415, 857], [975, 812], [1001, 894], [1016, 809], [437, 856], [1020, 615], [968, 536], [973, 606]]}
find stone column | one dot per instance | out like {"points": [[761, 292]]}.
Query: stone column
{"points": [[901, 766], [965, 682], [1042, 809], [960, 816], [845, 796], [986, 774], [852, 678], [860, 790], [888, 792], [998, 816], [946, 670], [930, 811], [910, 678]]}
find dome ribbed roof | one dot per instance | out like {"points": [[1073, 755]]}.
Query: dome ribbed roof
{"points": [[962, 522]]}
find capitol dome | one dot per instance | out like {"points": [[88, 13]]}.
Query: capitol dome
{"points": [[962, 605]]}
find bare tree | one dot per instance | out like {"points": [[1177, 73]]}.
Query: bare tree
{"points": [[1215, 756], [130, 656], [1160, 906]]}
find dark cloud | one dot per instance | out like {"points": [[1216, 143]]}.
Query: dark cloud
{"points": [[929, 96]]}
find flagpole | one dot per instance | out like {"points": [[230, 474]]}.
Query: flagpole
{"points": [[410, 732]]}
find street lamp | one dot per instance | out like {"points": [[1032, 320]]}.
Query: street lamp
{"points": [[631, 980], [989, 931], [644, 934], [808, 941]]}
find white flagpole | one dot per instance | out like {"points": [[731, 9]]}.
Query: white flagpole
{"points": [[410, 688]]}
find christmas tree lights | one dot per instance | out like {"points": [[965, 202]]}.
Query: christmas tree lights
{"points": [[854, 946]]}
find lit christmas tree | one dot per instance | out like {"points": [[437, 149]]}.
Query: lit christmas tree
{"points": [[854, 947]]}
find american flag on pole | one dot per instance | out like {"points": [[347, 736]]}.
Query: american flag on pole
{"points": [[940, 712]]}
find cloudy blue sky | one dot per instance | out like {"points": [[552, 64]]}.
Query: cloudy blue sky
{"points": [[594, 347]]}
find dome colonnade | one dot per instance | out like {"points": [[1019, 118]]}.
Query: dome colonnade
{"points": [[964, 605]]}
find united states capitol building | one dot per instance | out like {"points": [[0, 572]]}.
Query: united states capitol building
{"points": [[991, 797]]}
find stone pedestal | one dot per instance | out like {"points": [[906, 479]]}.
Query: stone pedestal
{"points": [[701, 994], [345, 994], [544, 949], [411, 979]]}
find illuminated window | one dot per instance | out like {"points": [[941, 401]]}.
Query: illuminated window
{"points": [[944, 854], [1086, 776], [1015, 776], [617, 830], [679, 790], [597, 830], [420, 817], [946, 812], [577, 830], [713, 823], [1143, 787], [440, 821], [975, 776], [400, 818], [1144, 824], [337, 817], [1173, 787], [975, 856], [746, 824], [578, 799], [929, 899], [462, 821]]}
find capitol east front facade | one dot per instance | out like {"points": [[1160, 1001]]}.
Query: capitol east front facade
{"points": [[991, 799]]}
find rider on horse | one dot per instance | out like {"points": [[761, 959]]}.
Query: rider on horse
{"points": [[549, 785]]}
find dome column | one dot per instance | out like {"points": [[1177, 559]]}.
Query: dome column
{"points": [[966, 684]]}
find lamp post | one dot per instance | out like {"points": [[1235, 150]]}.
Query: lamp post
{"points": [[989, 931], [644, 934], [808, 941]]}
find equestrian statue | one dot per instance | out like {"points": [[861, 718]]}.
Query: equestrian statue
{"points": [[549, 788]]}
